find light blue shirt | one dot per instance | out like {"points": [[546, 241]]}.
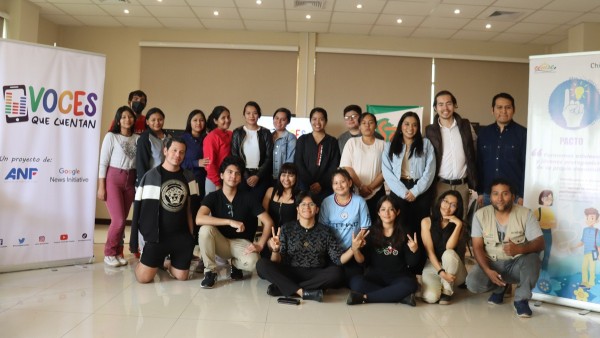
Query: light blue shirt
{"points": [[346, 220], [284, 149], [421, 168]]}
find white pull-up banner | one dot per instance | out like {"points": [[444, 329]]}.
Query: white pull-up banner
{"points": [[562, 177], [49, 143]]}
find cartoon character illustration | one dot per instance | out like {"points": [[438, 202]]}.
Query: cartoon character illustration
{"points": [[545, 216], [590, 240]]}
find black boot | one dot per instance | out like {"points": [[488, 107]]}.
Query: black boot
{"points": [[313, 295]]}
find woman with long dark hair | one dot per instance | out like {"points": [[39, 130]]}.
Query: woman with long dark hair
{"points": [[347, 213], [317, 156], [388, 256], [116, 180], [150, 144], [279, 200], [443, 239], [195, 132], [408, 166], [217, 146]]}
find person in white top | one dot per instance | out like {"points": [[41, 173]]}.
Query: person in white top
{"points": [[362, 159], [116, 180], [254, 145], [453, 140]]}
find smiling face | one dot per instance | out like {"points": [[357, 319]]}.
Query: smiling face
{"points": [[174, 156], [387, 213], [448, 205], [280, 121], [501, 197], [318, 122], [341, 185], [445, 107], [307, 209], [126, 121], [155, 122], [409, 127], [288, 180], [503, 111], [224, 120]]}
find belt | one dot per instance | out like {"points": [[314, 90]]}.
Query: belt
{"points": [[454, 182], [409, 180]]}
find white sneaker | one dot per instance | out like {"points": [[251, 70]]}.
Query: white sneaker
{"points": [[111, 261], [122, 260]]}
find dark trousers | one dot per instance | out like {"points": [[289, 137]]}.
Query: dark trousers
{"points": [[384, 288], [372, 204], [289, 279], [411, 214], [351, 269]]}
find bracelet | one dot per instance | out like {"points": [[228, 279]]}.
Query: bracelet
{"points": [[440, 270]]}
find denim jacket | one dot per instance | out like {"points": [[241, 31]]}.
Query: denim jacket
{"points": [[422, 168], [284, 149]]}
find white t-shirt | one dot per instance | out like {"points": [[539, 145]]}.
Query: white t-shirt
{"points": [[251, 149], [364, 159]]}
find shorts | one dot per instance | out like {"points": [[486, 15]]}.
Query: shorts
{"points": [[179, 246]]}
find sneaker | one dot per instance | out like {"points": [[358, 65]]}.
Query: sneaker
{"points": [[111, 261], [236, 274], [355, 298], [313, 295], [522, 308], [122, 260], [409, 300], [496, 298], [445, 299], [209, 280], [273, 291]]}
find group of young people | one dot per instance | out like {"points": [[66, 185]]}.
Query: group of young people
{"points": [[327, 221]]}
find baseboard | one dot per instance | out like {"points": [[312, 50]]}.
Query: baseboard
{"points": [[106, 221]]}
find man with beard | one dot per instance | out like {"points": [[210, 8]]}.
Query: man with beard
{"points": [[162, 213], [507, 240]]}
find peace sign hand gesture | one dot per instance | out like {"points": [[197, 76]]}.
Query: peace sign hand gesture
{"points": [[358, 241], [412, 243], [274, 242]]}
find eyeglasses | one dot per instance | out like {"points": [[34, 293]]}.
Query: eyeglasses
{"points": [[351, 117], [451, 205], [307, 204]]}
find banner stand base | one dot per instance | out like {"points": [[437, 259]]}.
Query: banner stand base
{"points": [[46, 265]]}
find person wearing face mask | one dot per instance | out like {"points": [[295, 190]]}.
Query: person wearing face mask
{"points": [[137, 102]]}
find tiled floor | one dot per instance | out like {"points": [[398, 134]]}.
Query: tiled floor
{"points": [[97, 301]]}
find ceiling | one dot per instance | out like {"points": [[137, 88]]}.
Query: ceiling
{"points": [[515, 21]]}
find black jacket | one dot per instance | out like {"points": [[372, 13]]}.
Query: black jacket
{"points": [[265, 145]]}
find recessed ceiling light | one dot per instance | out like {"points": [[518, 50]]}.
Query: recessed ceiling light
{"points": [[488, 26], [308, 16], [216, 13], [258, 2], [399, 21], [457, 11], [126, 11], [359, 6], [159, 0]]}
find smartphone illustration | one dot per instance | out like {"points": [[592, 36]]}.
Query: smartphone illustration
{"points": [[288, 300], [15, 104]]}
